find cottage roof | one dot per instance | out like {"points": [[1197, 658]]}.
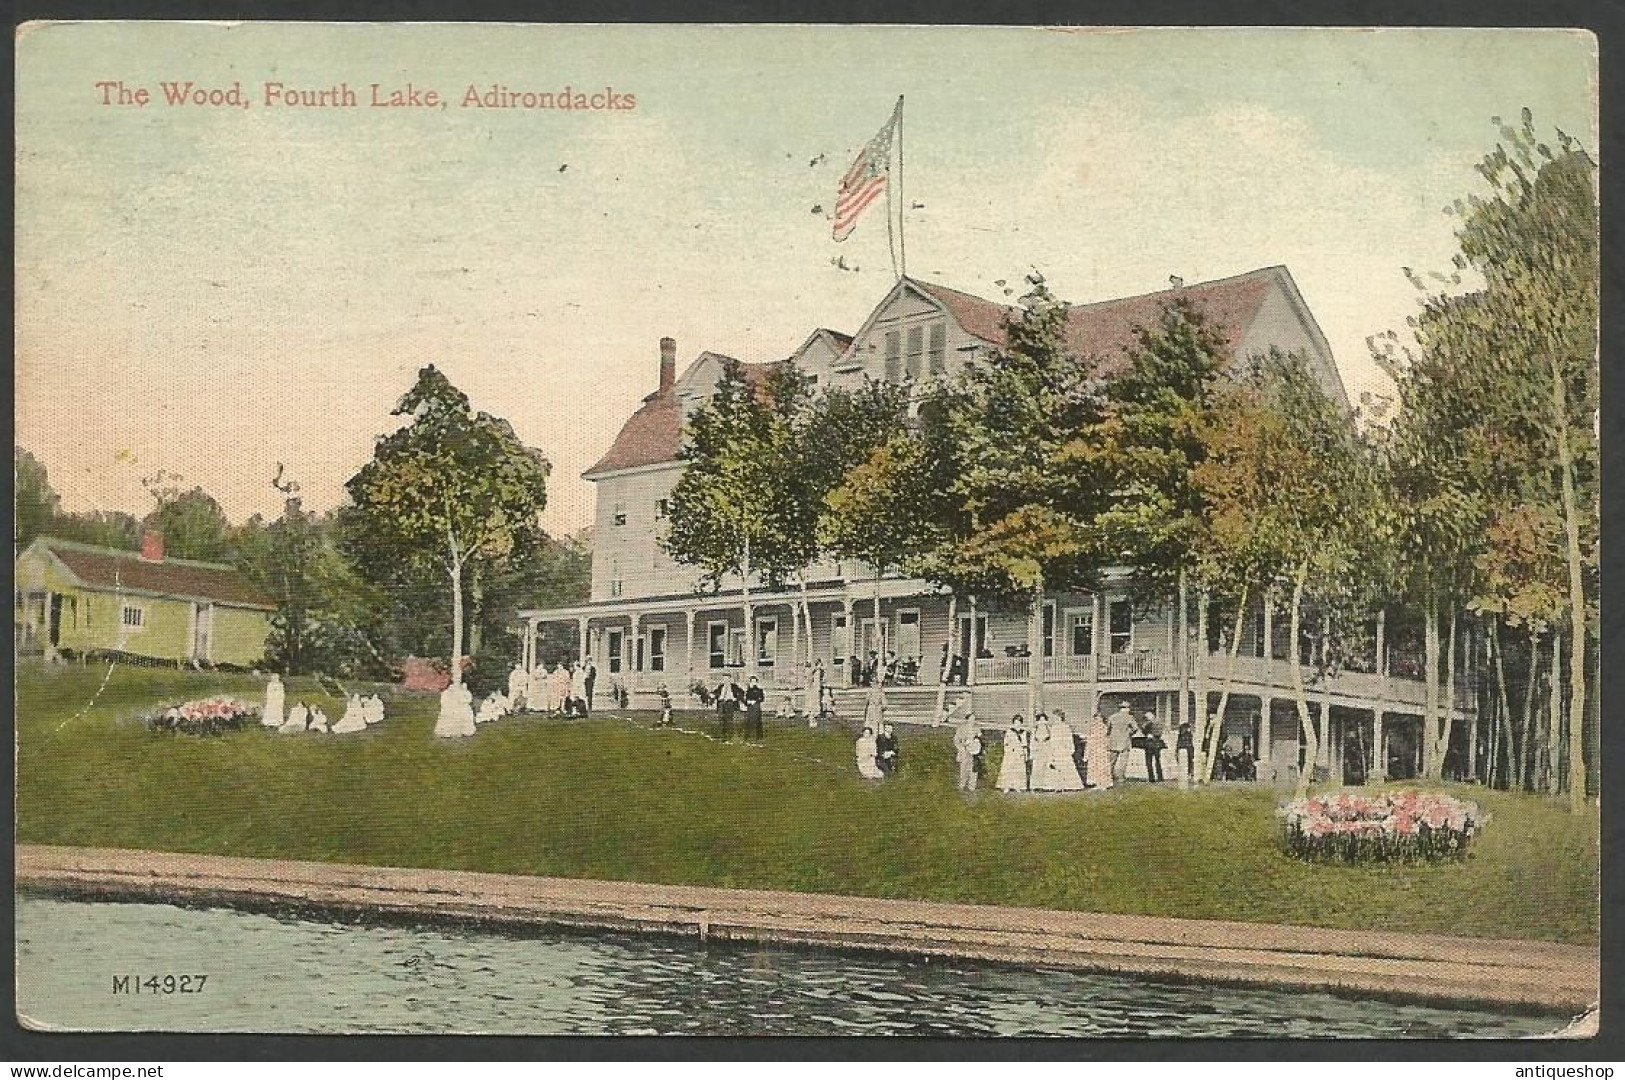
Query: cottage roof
{"points": [[114, 569]]}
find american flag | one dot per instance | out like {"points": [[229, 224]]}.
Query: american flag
{"points": [[866, 180]]}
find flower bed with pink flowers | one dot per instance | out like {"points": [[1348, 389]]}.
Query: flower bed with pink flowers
{"points": [[1400, 826], [210, 716]]}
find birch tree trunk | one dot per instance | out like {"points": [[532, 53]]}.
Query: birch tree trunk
{"points": [[1430, 709], [744, 603], [1184, 662], [1508, 745], [1527, 758], [1554, 718], [942, 680], [456, 574], [1312, 745], [1447, 698], [1201, 687], [1577, 606], [1035, 649], [1210, 752]]}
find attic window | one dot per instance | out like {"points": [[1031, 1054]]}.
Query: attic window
{"points": [[619, 514], [662, 508], [133, 617], [939, 348]]}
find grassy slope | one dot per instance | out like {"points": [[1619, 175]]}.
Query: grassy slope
{"points": [[613, 799]]}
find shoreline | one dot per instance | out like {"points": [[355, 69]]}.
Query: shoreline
{"points": [[1431, 968]]}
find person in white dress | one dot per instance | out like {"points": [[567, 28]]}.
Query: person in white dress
{"points": [[815, 692], [558, 700], [1097, 759], [517, 680], [354, 718], [295, 724], [536, 689], [1038, 751], [868, 767], [1017, 746], [456, 719], [1055, 770], [271, 716], [372, 710], [317, 721]]}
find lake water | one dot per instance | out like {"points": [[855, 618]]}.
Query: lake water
{"points": [[284, 974]]}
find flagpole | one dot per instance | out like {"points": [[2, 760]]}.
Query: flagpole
{"points": [[891, 242], [902, 203]]}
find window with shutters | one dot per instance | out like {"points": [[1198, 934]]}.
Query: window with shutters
{"points": [[894, 356], [939, 348], [916, 351]]}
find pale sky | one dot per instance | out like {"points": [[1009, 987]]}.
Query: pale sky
{"points": [[211, 291]]}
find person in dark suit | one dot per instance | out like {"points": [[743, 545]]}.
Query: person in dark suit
{"points": [[886, 750], [754, 696], [728, 698], [1152, 733], [592, 679]]}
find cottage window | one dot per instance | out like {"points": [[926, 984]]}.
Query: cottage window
{"points": [[717, 644], [662, 508], [1122, 626], [939, 348], [894, 356], [1049, 628], [1083, 633], [133, 617], [614, 652], [916, 351], [657, 648], [619, 515]]}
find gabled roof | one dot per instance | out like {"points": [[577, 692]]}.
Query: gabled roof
{"points": [[114, 569], [654, 434], [1106, 328]]}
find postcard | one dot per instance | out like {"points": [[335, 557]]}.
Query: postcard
{"points": [[817, 530]]}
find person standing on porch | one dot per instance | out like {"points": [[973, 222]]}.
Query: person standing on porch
{"points": [[1120, 732], [754, 697], [1017, 747]]}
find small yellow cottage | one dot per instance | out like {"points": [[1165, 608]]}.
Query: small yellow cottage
{"points": [[75, 599]]}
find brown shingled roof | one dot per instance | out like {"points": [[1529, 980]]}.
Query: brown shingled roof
{"points": [[110, 568], [1105, 329], [654, 434]]}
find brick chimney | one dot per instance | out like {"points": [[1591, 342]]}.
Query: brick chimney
{"points": [[152, 546], [668, 364]]}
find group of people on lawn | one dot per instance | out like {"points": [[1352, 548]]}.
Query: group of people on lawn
{"points": [[1050, 756]]}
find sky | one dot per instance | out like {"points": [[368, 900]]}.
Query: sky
{"points": [[214, 290]]}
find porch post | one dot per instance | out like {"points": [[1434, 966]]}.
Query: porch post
{"points": [[688, 643], [970, 671], [1266, 744], [1379, 755], [1326, 694], [530, 645], [582, 622], [795, 639], [636, 665], [1269, 632]]}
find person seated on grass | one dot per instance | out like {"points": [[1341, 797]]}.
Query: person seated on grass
{"points": [[786, 709], [886, 750], [868, 768], [456, 719], [298, 720], [665, 706], [317, 720], [352, 720], [372, 710]]}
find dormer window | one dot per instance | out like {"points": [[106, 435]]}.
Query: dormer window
{"points": [[618, 515]]}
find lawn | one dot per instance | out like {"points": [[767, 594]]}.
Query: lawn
{"points": [[615, 798]]}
